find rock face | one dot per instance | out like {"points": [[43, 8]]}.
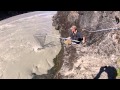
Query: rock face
{"points": [[102, 48]]}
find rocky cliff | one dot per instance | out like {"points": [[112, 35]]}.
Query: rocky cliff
{"points": [[102, 48]]}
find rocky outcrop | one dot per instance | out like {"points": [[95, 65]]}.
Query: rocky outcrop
{"points": [[102, 48]]}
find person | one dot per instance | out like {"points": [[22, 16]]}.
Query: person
{"points": [[117, 19], [110, 70], [75, 36]]}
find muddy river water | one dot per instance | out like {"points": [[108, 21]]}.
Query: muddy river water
{"points": [[19, 56]]}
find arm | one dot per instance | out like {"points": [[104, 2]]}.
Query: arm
{"points": [[69, 38], [84, 39], [100, 72], [70, 33]]}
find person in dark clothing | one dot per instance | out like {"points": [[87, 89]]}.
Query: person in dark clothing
{"points": [[111, 72], [74, 34], [117, 19]]}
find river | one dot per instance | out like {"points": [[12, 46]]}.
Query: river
{"points": [[19, 57]]}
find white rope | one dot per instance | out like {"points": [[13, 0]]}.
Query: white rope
{"points": [[85, 30], [55, 36], [104, 29]]}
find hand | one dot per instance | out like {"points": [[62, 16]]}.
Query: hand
{"points": [[83, 41], [102, 69], [69, 38]]}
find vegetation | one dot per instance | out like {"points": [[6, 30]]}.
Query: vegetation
{"points": [[118, 70]]}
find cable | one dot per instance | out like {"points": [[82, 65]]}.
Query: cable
{"points": [[104, 29]]}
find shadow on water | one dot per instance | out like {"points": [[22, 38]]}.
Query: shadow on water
{"points": [[111, 72], [51, 44]]}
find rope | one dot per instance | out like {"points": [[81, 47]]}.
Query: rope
{"points": [[100, 30], [104, 30], [85, 30], [55, 36]]}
